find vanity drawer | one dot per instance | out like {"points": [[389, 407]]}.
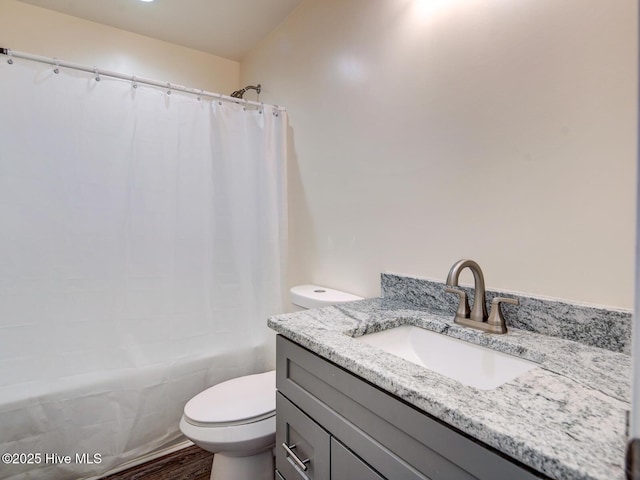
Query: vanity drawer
{"points": [[302, 446]]}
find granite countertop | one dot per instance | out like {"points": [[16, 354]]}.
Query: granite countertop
{"points": [[565, 418]]}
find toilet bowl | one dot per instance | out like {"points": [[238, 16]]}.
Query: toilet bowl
{"points": [[236, 419]]}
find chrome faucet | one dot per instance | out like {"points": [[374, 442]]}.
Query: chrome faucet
{"points": [[477, 316]]}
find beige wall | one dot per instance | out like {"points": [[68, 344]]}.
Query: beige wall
{"points": [[44, 32], [425, 131]]}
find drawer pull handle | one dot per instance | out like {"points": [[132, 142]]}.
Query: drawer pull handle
{"points": [[301, 463]]}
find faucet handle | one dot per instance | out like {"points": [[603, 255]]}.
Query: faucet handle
{"points": [[495, 317], [463, 307]]}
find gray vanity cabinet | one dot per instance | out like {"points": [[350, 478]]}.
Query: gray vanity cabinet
{"points": [[333, 425]]}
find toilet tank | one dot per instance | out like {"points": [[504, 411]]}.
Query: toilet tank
{"points": [[315, 296]]}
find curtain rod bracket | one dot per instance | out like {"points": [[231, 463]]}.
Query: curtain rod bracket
{"points": [[7, 51]]}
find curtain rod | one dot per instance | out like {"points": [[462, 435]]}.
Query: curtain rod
{"points": [[135, 80]]}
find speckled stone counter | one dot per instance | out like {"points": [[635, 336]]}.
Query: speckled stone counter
{"points": [[565, 418]]}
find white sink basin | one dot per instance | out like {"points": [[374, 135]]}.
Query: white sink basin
{"points": [[470, 364]]}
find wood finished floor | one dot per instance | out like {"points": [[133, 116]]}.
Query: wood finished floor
{"points": [[191, 463]]}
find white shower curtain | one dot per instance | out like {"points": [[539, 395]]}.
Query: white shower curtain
{"points": [[142, 246]]}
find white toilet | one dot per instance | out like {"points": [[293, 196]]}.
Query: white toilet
{"points": [[236, 419]]}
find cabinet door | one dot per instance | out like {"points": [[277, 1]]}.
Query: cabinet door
{"points": [[345, 465], [302, 446]]}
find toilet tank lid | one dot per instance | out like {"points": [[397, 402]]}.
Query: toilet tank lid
{"points": [[314, 296], [239, 400]]}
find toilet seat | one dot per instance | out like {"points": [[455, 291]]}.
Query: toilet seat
{"points": [[238, 401]]}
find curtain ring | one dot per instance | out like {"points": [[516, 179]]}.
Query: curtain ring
{"points": [[260, 110], [10, 55], [56, 70], [220, 98], [97, 74], [246, 104], [169, 88], [276, 113], [200, 95], [134, 84]]}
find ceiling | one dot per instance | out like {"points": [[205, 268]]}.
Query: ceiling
{"points": [[227, 28]]}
